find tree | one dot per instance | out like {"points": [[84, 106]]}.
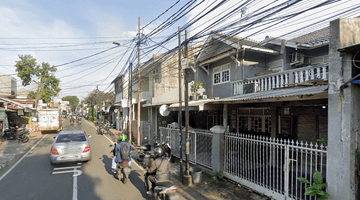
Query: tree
{"points": [[73, 101], [31, 95], [43, 75], [100, 97]]}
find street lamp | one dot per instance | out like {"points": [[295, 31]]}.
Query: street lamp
{"points": [[139, 82]]}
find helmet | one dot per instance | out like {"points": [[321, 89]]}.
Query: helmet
{"points": [[158, 151], [122, 137]]}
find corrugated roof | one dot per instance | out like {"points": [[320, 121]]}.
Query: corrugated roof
{"points": [[320, 34], [242, 41], [286, 92]]}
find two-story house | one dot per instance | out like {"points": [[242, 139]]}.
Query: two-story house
{"points": [[274, 87]]}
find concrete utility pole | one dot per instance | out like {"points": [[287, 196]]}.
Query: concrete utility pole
{"points": [[139, 88], [187, 178], [180, 106], [97, 101], [130, 101]]}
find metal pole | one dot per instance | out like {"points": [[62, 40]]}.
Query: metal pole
{"points": [[130, 101], [187, 166], [139, 88], [180, 106]]}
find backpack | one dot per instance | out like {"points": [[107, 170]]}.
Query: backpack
{"points": [[124, 152]]}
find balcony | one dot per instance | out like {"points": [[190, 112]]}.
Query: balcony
{"points": [[280, 80]]}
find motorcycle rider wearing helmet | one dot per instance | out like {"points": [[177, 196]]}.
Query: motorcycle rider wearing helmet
{"points": [[121, 141], [159, 169]]}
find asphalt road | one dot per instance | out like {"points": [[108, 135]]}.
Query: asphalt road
{"points": [[33, 178]]}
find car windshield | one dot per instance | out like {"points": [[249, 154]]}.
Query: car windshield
{"points": [[78, 137]]}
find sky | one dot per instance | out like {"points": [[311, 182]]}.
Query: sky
{"points": [[78, 36]]}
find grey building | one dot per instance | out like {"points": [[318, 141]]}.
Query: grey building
{"points": [[8, 85]]}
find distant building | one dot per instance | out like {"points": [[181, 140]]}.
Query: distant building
{"points": [[8, 86]]}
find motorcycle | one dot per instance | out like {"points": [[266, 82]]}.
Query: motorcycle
{"points": [[19, 134], [164, 190], [145, 153], [71, 121], [123, 171], [79, 121], [101, 129]]}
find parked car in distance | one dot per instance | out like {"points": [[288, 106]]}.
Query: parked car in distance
{"points": [[70, 146]]}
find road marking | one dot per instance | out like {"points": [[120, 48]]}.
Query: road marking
{"points": [[6, 173], [76, 172], [113, 143]]}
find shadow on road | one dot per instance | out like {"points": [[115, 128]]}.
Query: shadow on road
{"points": [[137, 180]]}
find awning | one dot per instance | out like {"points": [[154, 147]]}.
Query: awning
{"points": [[194, 105], [285, 94], [112, 107]]}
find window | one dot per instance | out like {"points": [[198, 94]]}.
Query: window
{"points": [[222, 74]]}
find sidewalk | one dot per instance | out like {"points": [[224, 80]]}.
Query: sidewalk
{"points": [[210, 187], [12, 149]]}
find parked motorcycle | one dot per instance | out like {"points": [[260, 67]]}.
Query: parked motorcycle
{"points": [[101, 130], [79, 121], [145, 153], [107, 127], [123, 171], [15, 133]]}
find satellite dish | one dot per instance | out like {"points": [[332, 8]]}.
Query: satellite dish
{"points": [[164, 110]]}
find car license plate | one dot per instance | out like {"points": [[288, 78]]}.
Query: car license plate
{"points": [[68, 157]]}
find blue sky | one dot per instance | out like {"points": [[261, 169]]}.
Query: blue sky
{"points": [[40, 27]]}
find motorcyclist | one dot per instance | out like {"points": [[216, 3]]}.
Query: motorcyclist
{"points": [[159, 169], [122, 141]]}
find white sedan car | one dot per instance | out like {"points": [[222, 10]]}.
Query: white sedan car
{"points": [[70, 146]]}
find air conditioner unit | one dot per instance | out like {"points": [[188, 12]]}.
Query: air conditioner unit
{"points": [[297, 59], [249, 88]]}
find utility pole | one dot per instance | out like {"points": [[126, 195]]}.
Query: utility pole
{"points": [[97, 102], [139, 82], [130, 101], [180, 106], [187, 178]]}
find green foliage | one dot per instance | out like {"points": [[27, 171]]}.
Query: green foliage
{"points": [[100, 97], [317, 187], [198, 84], [31, 95], [323, 141], [219, 174], [73, 100], [42, 74]]}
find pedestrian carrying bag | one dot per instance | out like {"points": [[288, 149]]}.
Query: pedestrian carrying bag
{"points": [[125, 152]]}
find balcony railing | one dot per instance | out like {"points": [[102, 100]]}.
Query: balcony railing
{"points": [[282, 79]]}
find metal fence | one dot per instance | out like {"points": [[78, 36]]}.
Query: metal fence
{"points": [[200, 144], [271, 166]]}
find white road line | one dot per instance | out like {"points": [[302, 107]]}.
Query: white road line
{"points": [[60, 168], [113, 143], [6, 173], [75, 197]]}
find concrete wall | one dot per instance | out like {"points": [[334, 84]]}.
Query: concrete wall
{"points": [[8, 85], [343, 113]]}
